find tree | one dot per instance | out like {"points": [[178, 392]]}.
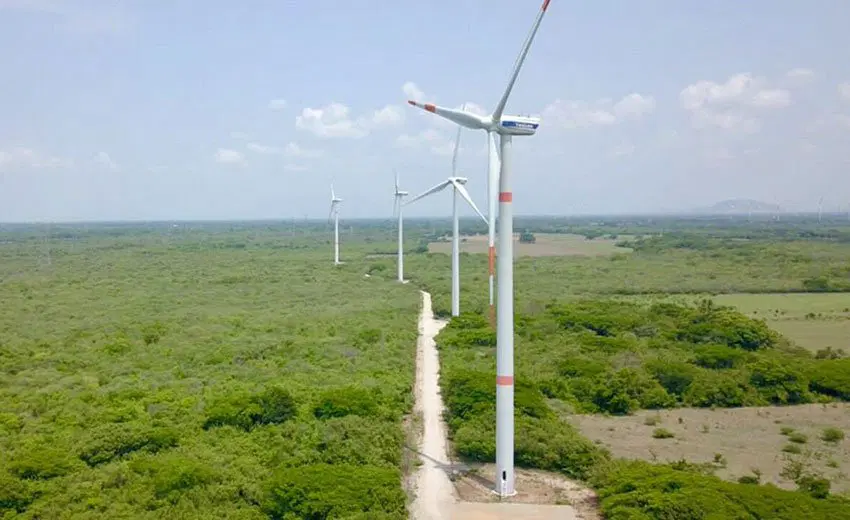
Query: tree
{"points": [[527, 237]]}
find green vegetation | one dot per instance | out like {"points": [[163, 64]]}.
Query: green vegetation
{"points": [[607, 356], [215, 374], [638, 490], [662, 433], [230, 371], [833, 435]]}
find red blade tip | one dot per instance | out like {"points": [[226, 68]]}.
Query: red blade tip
{"points": [[545, 4], [409, 102]]}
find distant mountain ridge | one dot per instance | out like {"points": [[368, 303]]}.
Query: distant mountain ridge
{"points": [[740, 206]]}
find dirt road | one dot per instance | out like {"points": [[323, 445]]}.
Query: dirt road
{"points": [[435, 498]]}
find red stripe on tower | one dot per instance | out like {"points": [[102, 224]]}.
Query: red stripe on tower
{"points": [[506, 196], [504, 380], [492, 254]]}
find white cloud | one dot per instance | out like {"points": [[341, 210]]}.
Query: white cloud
{"points": [[16, 157], [228, 156], [277, 104], [413, 92], [727, 105], [290, 150], [387, 116], [263, 149], [239, 136], [603, 112], [772, 98], [295, 168], [329, 121], [433, 140], [634, 105], [800, 72], [103, 159], [294, 150], [844, 91], [800, 75]]}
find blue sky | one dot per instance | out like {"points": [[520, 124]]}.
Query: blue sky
{"points": [[219, 109]]}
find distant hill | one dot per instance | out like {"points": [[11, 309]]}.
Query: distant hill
{"points": [[740, 206]]}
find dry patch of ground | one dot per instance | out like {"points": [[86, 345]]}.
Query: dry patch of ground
{"points": [[546, 244], [737, 440], [533, 487]]}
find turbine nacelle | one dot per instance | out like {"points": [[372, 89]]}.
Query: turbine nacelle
{"points": [[508, 125]]}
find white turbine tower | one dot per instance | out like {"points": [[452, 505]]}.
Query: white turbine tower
{"points": [[506, 127], [335, 214], [820, 209], [399, 195], [457, 183]]}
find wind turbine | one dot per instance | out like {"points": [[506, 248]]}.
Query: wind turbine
{"points": [[820, 209], [458, 184], [399, 195], [335, 214], [499, 171]]}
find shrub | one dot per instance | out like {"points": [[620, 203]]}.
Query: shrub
{"points": [[114, 440], [831, 377], [637, 490], [360, 441], [472, 393], [798, 438], [728, 327], [792, 448], [273, 406], [174, 474], [40, 461], [662, 433], [719, 389], [350, 400], [321, 491], [718, 356], [627, 390], [15, 495], [674, 376], [817, 487], [832, 435], [779, 382]]}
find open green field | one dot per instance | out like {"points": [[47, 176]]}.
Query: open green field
{"points": [[228, 370]]}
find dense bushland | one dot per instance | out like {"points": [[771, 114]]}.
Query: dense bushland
{"points": [[616, 357], [212, 374], [638, 490]]}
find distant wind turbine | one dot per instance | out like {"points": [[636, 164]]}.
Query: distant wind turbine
{"points": [[820, 210], [335, 201], [397, 204], [458, 184]]}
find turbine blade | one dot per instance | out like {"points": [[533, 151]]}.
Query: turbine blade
{"points": [[457, 147], [500, 108], [396, 181], [460, 117], [395, 206], [465, 194], [435, 189], [333, 195]]}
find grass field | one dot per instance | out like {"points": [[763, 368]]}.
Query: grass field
{"points": [[546, 244]]}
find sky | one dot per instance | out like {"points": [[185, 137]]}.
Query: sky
{"points": [[166, 110]]}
